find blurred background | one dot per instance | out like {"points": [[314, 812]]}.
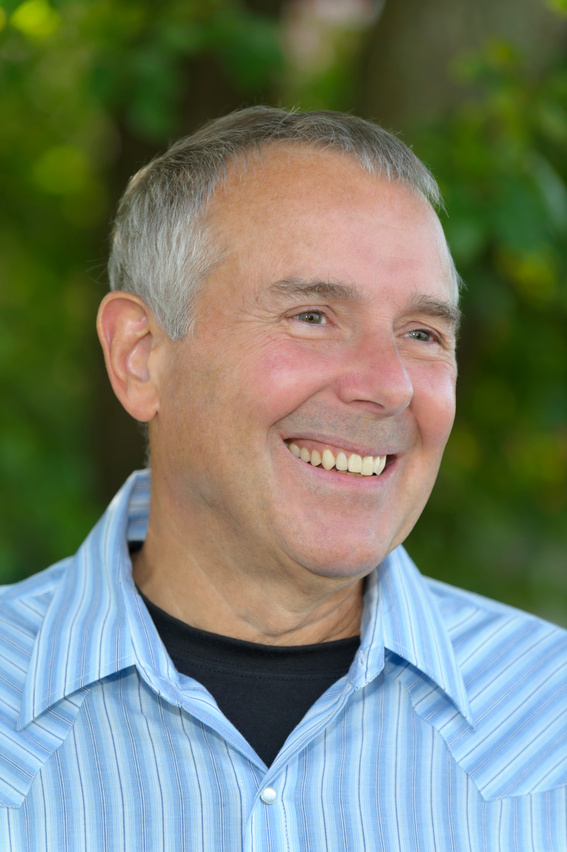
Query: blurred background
{"points": [[91, 89]]}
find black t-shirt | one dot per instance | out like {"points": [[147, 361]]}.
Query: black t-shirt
{"points": [[264, 690]]}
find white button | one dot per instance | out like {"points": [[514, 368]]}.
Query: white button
{"points": [[269, 796]]}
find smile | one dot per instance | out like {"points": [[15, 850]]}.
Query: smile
{"points": [[344, 462]]}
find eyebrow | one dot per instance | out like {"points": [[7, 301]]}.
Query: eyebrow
{"points": [[302, 287], [427, 305], [433, 307]]}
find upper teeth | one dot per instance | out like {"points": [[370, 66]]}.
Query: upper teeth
{"points": [[352, 462]]}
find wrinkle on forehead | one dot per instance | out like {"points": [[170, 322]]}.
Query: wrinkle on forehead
{"points": [[276, 185]]}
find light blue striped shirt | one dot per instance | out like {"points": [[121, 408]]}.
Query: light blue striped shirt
{"points": [[449, 734]]}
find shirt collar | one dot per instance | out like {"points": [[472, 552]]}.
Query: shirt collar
{"points": [[401, 615], [96, 624], [86, 634]]}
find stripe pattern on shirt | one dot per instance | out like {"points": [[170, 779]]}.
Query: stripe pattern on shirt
{"points": [[447, 734]]}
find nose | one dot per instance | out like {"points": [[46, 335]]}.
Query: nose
{"points": [[374, 374]]}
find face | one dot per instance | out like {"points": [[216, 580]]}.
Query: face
{"points": [[328, 330]]}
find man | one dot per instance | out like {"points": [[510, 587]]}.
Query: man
{"points": [[242, 656]]}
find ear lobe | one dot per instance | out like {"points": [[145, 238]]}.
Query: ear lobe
{"points": [[128, 334]]}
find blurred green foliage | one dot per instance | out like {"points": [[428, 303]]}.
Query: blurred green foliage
{"points": [[497, 521], [79, 79], [87, 84]]}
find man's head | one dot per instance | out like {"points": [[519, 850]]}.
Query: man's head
{"points": [[162, 246], [325, 323]]}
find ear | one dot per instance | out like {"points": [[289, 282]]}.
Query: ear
{"points": [[129, 336]]}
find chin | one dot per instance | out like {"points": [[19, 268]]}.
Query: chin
{"points": [[345, 561]]}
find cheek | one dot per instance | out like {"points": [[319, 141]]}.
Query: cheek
{"points": [[281, 378], [434, 404]]}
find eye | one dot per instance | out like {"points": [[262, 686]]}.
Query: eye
{"points": [[423, 335], [312, 317]]}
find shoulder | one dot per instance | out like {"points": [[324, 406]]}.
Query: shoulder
{"points": [[514, 666], [487, 627], [24, 749], [23, 605]]}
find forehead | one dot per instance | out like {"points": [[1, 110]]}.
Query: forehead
{"points": [[296, 175], [292, 210]]}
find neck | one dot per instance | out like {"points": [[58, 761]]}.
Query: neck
{"points": [[277, 603]]}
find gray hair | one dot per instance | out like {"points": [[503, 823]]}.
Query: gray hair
{"points": [[162, 248]]}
